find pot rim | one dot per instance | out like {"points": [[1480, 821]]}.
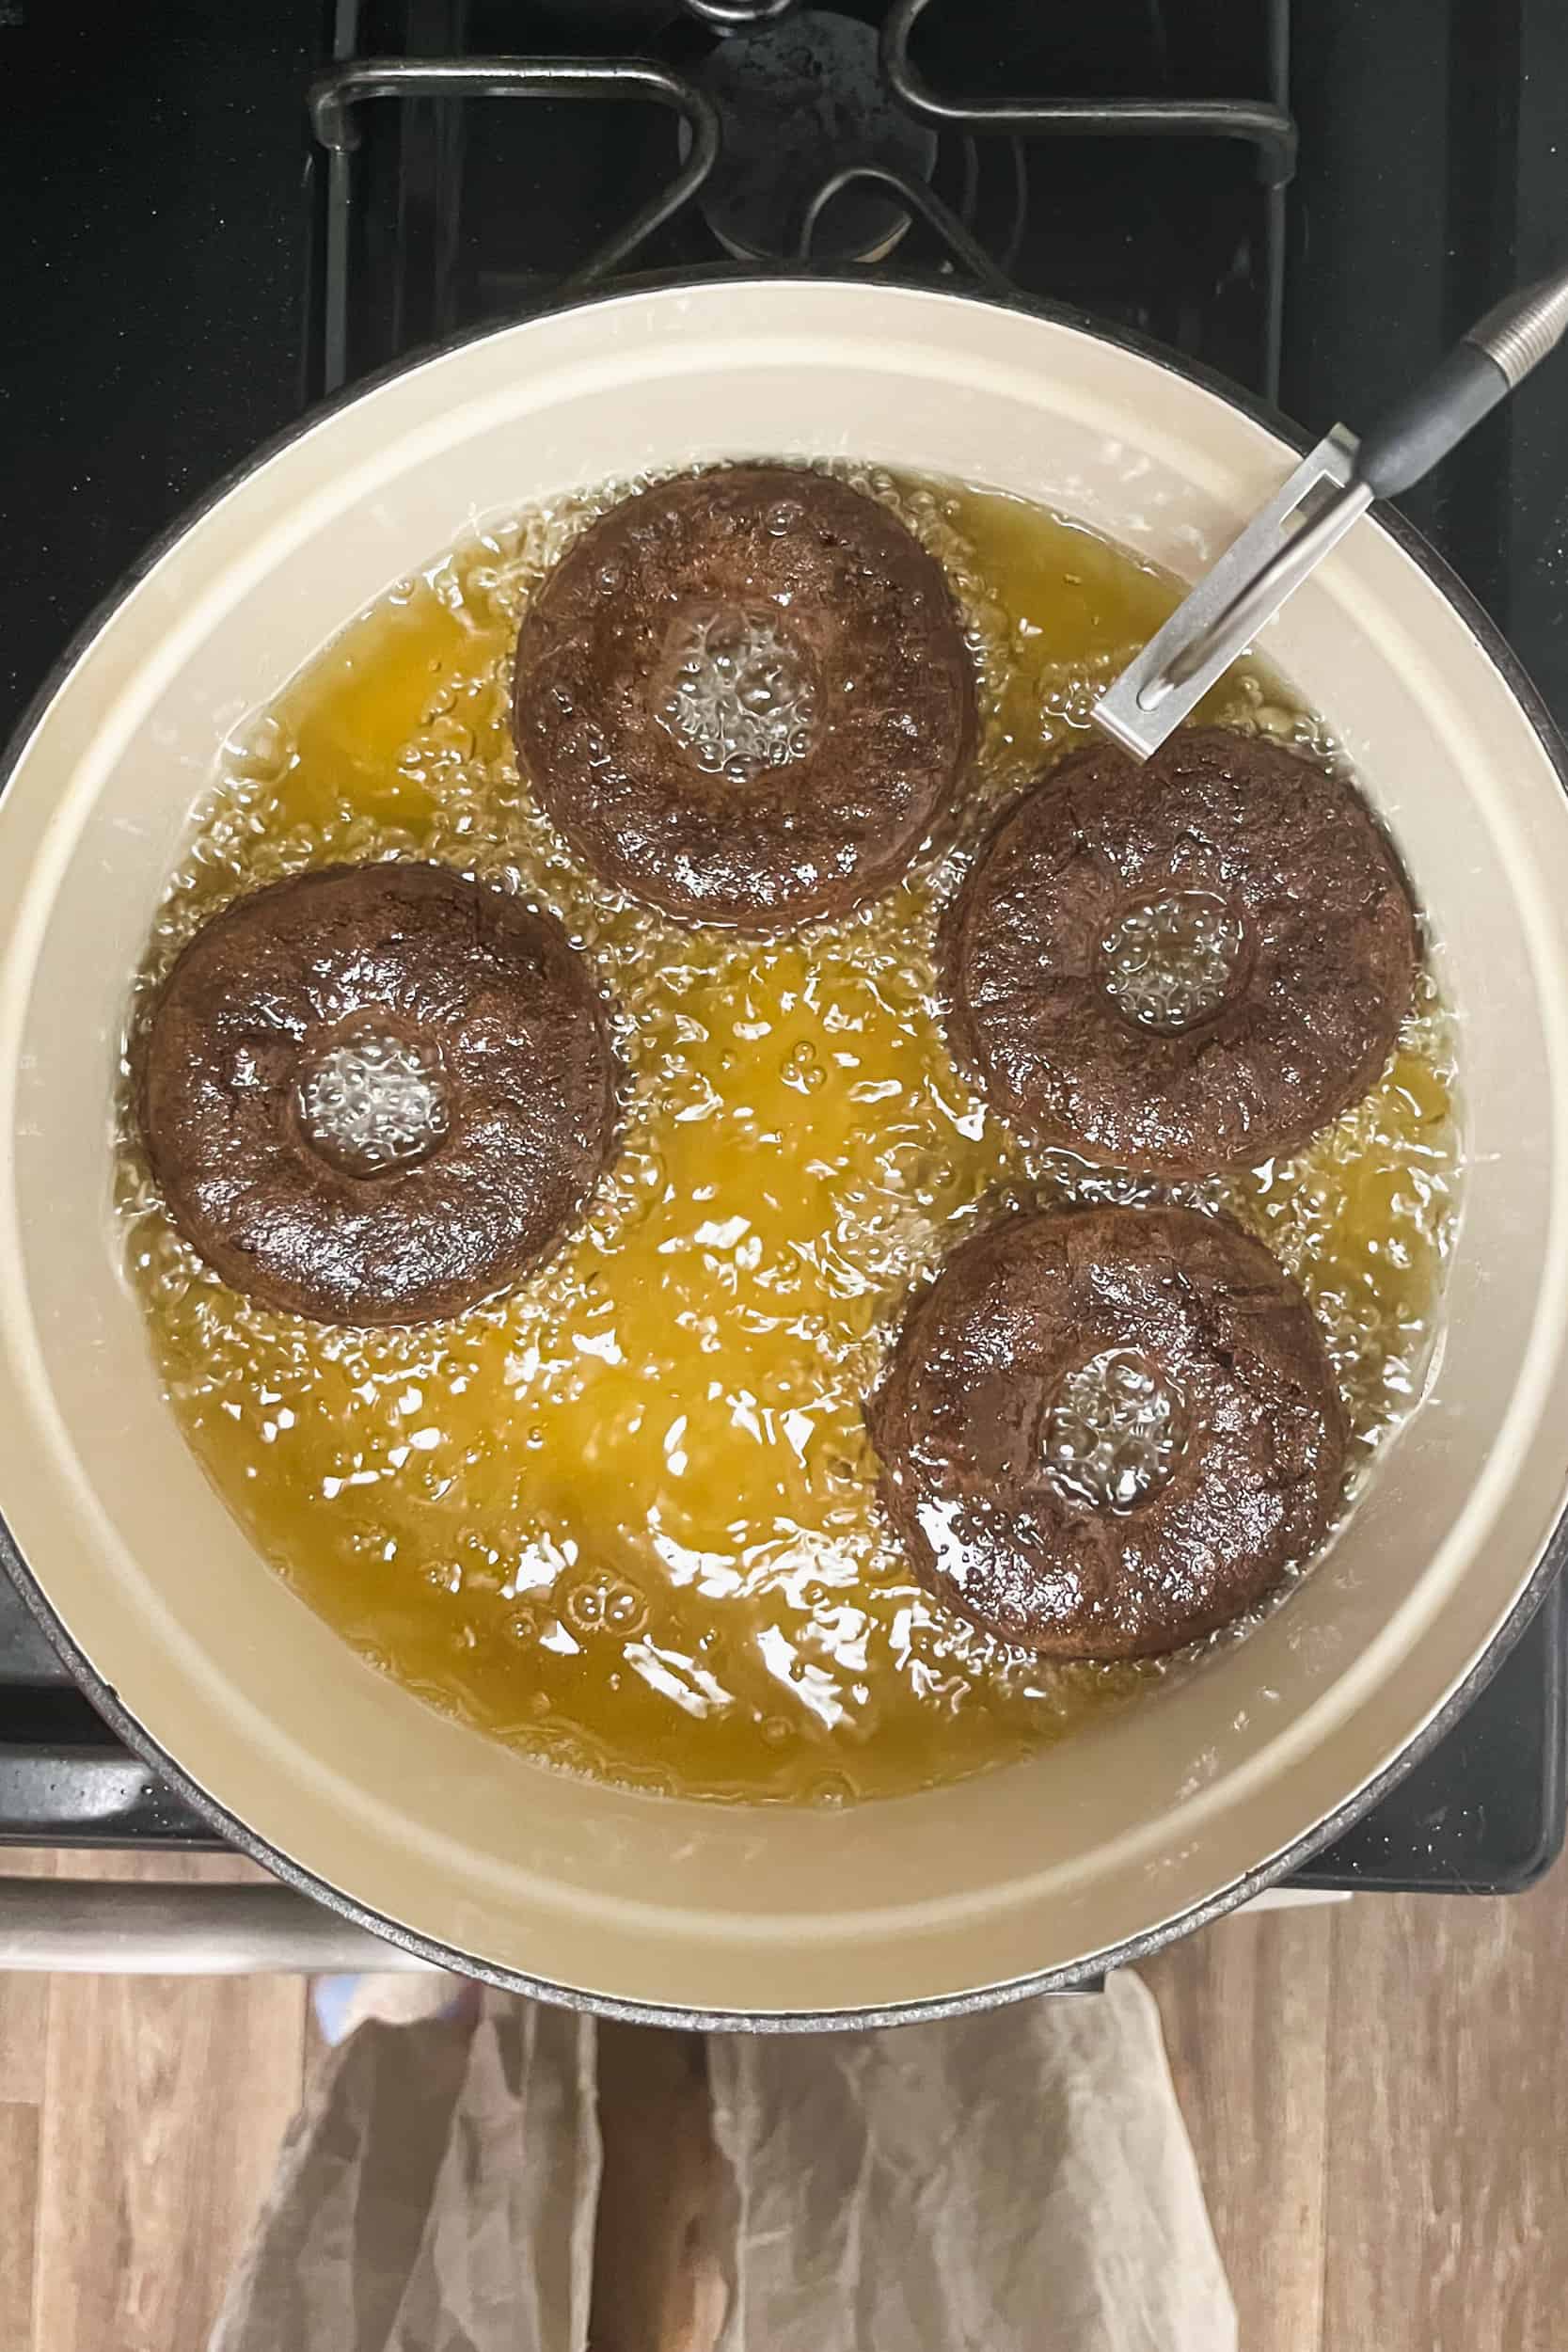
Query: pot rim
{"points": [[1085, 1974]]}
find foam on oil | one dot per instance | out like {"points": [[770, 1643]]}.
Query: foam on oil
{"points": [[738, 698], [625, 1517], [373, 1101]]}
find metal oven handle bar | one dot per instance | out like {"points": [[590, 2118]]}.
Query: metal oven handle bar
{"points": [[106, 1926], [125, 1927], [335, 93], [109, 1928], [122, 1927]]}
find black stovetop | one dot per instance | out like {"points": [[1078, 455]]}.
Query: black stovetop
{"points": [[188, 269]]}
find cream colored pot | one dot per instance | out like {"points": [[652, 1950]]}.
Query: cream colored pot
{"points": [[1031, 1876]]}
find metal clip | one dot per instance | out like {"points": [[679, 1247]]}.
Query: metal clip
{"points": [[1166, 682]]}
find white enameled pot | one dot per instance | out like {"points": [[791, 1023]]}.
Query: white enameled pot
{"points": [[1029, 1876]]}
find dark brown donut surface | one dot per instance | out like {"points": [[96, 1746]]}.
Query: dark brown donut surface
{"points": [[377, 1094], [1108, 1431], [1298, 945], [745, 697]]}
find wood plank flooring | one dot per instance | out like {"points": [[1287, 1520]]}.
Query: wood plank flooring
{"points": [[1246, 2008], [1377, 2093], [1378, 2097], [139, 2120]]}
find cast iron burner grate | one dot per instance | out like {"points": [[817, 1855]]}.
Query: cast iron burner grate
{"points": [[682, 134]]}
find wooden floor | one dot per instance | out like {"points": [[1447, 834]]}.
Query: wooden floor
{"points": [[1378, 2094], [139, 2117]]}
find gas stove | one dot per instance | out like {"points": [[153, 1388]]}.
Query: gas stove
{"points": [[216, 218]]}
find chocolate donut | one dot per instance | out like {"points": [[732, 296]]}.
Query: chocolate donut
{"points": [[1104, 1432], [1181, 967], [745, 697], [377, 1093]]}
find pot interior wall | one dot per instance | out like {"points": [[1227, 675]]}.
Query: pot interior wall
{"points": [[632, 1898]]}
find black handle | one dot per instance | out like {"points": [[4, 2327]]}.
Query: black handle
{"points": [[1427, 422]]}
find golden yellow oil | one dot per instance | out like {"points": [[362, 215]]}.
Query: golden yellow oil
{"points": [[624, 1517]]}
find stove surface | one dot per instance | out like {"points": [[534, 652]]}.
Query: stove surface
{"points": [[1334, 201]]}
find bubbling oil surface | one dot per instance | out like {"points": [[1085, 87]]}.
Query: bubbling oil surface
{"points": [[624, 1517]]}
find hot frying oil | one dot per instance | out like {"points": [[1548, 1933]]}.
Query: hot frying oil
{"points": [[625, 1517]]}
